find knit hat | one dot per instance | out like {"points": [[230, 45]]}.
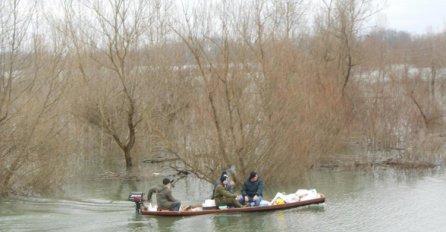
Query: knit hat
{"points": [[166, 181], [252, 174], [223, 178]]}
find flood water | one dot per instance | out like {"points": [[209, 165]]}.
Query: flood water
{"points": [[379, 200]]}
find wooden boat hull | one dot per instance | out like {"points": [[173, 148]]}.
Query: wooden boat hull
{"points": [[318, 200]]}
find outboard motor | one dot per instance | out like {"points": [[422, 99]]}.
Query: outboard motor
{"points": [[138, 198]]}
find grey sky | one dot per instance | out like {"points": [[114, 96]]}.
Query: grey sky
{"points": [[415, 16]]}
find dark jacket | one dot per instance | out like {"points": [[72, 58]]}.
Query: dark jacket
{"points": [[164, 198], [252, 188]]}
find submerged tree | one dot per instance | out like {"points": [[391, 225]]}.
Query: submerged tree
{"points": [[107, 46], [240, 111]]}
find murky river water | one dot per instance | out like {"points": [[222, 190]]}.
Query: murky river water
{"points": [[380, 200]]}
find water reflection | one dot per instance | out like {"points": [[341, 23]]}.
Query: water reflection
{"points": [[124, 187], [272, 221]]}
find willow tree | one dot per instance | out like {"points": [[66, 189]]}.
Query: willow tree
{"points": [[13, 33], [240, 113], [338, 26], [335, 53], [106, 37], [31, 88]]}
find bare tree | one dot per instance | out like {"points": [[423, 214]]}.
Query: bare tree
{"points": [[339, 25], [428, 52], [31, 90], [111, 40], [240, 114], [13, 33]]}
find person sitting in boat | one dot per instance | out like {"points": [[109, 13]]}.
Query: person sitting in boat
{"points": [[223, 196], [232, 180], [164, 198], [252, 190], [228, 185]]}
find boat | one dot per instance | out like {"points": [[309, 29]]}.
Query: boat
{"points": [[195, 210]]}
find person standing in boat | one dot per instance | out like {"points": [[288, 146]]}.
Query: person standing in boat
{"points": [[252, 190], [224, 197], [164, 198]]}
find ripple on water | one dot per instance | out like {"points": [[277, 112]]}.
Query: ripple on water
{"points": [[355, 201]]}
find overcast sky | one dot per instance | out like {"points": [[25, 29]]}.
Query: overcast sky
{"points": [[415, 16]]}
